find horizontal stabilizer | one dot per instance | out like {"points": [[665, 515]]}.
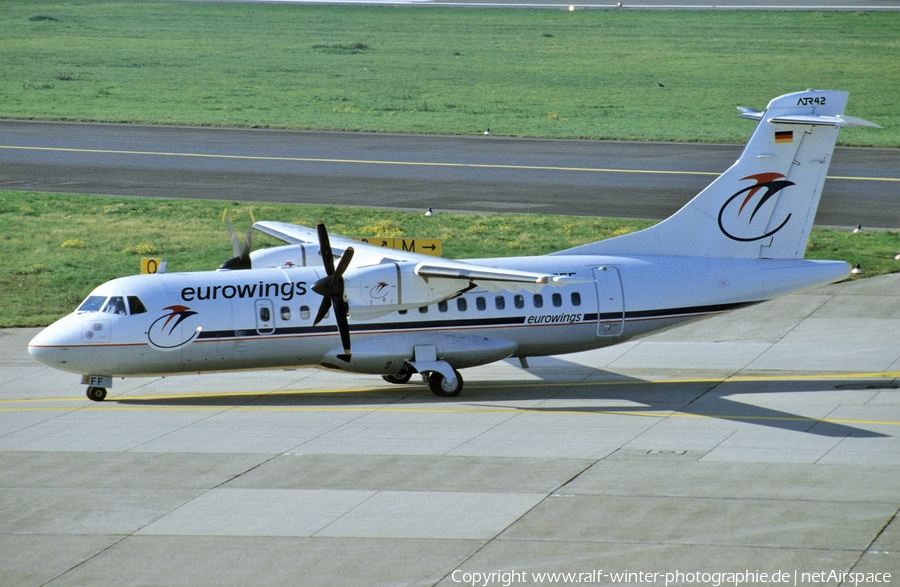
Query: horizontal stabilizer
{"points": [[813, 120], [750, 113]]}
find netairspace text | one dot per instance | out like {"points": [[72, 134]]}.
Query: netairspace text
{"points": [[713, 579]]}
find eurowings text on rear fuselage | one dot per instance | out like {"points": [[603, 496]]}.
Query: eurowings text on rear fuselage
{"points": [[740, 241]]}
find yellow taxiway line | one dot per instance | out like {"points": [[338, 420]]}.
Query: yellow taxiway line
{"points": [[399, 163]]}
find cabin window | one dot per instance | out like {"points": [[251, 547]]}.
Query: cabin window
{"points": [[304, 312], [538, 301], [480, 303], [442, 306], [519, 301], [500, 302], [461, 304], [402, 312], [285, 313], [92, 304], [135, 306], [423, 310], [264, 314], [576, 298], [557, 300], [115, 305]]}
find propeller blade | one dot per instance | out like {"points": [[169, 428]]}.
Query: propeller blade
{"points": [[344, 262], [340, 316], [323, 310], [241, 259], [325, 248], [248, 240], [235, 243]]}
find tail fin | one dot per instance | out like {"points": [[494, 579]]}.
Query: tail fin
{"points": [[763, 206]]}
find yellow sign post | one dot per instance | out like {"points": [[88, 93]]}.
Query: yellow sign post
{"points": [[150, 265], [425, 246]]}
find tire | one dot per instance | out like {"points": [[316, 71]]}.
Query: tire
{"points": [[97, 394], [439, 387], [402, 377], [398, 379]]}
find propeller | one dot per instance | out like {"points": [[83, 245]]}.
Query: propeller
{"points": [[241, 259], [331, 288]]}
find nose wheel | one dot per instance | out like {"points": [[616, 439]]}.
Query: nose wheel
{"points": [[97, 394]]}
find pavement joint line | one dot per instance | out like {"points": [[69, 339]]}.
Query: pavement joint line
{"points": [[509, 410], [400, 163]]}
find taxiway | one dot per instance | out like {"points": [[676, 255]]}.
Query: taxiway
{"points": [[763, 440], [411, 172]]}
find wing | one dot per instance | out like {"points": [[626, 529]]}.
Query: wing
{"points": [[366, 254], [424, 266]]}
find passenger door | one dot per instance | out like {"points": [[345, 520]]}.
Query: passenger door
{"points": [[265, 317], [610, 302]]}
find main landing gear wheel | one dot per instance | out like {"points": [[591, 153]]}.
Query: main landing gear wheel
{"points": [[401, 377], [441, 387], [97, 394]]}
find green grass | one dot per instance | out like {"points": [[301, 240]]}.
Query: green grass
{"points": [[56, 248], [457, 71], [543, 73]]}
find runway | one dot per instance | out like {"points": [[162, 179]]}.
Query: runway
{"points": [[761, 441], [412, 172]]}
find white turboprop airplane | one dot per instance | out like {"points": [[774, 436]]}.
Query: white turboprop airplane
{"points": [[739, 242]]}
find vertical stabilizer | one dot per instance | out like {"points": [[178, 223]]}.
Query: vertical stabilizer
{"points": [[763, 206]]}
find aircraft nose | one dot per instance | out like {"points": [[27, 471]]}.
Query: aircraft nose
{"points": [[42, 353], [50, 346]]}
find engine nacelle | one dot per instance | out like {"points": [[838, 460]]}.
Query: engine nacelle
{"points": [[376, 290], [296, 255]]}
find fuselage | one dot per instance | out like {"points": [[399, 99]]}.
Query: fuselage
{"points": [[263, 318]]}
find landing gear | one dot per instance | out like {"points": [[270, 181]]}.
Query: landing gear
{"points": [[97, 394], [441, 387], [402, 377]]}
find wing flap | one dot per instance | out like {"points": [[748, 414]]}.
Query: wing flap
{"points": [[490, 277]]}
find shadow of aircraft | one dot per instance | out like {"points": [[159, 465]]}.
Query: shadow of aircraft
{"points": [[585, 390]]}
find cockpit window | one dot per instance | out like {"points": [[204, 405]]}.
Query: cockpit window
{"points": [[92, 304], [135, 306], [115, 305]]}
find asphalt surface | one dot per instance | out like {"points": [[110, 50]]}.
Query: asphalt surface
{"points": [[412, 172], [761, 441]]}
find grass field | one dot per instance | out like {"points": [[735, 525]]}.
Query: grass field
{"points": [[57, 248], [592, 74], [457, 71]]}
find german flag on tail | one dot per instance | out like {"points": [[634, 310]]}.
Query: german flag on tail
{"points": [[784, 136]]}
